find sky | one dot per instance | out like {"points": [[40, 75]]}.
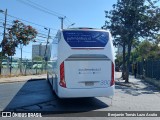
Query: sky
{"points": [[83, 13]]}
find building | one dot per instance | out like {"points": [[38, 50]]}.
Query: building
{"points": [[39, 50]]}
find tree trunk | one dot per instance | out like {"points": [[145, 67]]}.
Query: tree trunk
{"points": [[21, 60], [124, 62], [128, 60], [10, 66]]}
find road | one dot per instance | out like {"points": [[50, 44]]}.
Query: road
{"points": [[36, 95]]}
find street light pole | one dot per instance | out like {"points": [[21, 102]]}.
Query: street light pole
{"points": [[62, 20], [47, 43], [71, 25], [45, 57]]}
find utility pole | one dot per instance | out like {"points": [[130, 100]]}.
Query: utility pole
{"points": [[47, 42], [40, 49], [62, 20], [45, 57], [4, 36], [21, 59], [5, 21]]}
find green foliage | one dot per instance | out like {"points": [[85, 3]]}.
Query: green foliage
{"points": [[38, 58], [119, 59], [22, 33], [9, 46], [19, 33], [131, 19], [1, 59], [146, 50]]}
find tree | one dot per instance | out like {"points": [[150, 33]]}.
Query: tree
{"points": [[9, 46], [130, 20], [146, 50], [1, 59], [18, 34], [38, 58]]}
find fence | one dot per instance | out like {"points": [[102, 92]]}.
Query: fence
{"points": [[28, 67], [153, 69], [149, 68]]}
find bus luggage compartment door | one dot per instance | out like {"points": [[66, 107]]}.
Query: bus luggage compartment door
{"points": [[88, 74]]}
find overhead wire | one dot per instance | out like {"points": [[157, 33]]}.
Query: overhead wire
{"points": [[42, 35], [56, 13], [6, 20], [31, 22], [38, 8], [44, 9]]}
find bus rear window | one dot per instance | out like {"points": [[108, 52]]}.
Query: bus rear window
{"points": [[86, 38]]}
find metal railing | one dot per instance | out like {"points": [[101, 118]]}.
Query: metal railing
{"points": [[28, 67], [148, 68]]}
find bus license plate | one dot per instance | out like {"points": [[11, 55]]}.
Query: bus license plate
{"points": [[89, 83]]}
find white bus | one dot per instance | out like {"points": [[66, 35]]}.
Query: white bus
{"points": [[83, 63]]}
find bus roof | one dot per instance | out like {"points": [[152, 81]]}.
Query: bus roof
{"points": [[85, 28]]}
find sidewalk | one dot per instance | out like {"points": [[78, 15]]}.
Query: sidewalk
{"points": [[22, 78], [136, 83], [132, 81]]}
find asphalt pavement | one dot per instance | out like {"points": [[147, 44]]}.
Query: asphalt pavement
{"points": [[30, 93]]}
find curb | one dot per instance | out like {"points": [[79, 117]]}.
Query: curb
{"points": [[29, 80], [152, 82], [123, 84]]}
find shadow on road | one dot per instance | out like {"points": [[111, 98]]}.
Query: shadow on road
{"points": [[38, 96], [81, 104], [138, 88], [31, 93]]}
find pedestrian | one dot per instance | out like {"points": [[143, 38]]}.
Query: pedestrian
{"points": [[135, 70]]}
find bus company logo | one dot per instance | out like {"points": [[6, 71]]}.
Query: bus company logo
{"points": [[89, 70], [6, 114], [84, 38]]}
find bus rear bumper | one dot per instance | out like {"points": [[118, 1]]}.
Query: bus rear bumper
{"points": [[89, 92]]}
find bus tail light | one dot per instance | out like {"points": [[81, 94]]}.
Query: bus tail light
{"points": [[112, 75], [62, 81]]}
